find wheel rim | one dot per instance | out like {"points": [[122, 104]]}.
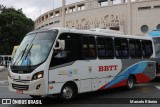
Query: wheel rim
{"points": [[67, 92], [130, 83]]}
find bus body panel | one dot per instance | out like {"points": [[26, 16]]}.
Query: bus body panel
{"points": [[98, 78], [88, 72]]}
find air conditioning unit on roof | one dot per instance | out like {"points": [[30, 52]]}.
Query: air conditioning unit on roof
{"points": [[107, 31]]}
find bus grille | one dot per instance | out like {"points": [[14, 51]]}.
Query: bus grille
{"points": [[23, 81], [20, 87]]}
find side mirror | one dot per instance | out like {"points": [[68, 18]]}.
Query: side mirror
{"points": [[61, 44]]}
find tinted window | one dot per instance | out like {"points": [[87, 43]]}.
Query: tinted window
{"points": [[89, 47], [121, 48], [147, 50], [105, 48], [72, 50], [135, 48]]}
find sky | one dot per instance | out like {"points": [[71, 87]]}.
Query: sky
{"points": [[34, 8]]}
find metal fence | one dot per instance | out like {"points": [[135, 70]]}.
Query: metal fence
{"points": [[5, 60]]}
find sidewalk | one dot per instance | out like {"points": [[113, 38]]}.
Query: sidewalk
{"points": [[3, 73]]}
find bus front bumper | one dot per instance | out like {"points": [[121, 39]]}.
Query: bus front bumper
{"points": [[36, 87]]}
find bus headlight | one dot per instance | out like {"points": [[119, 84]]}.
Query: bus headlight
{"points": [[38, 75]]}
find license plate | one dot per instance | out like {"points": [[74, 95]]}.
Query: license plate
{"points": [[19, 91]]}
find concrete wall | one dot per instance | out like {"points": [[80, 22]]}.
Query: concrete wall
{"points": [[135, 14]]}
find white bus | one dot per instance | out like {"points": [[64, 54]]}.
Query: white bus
{"points": [[67, 62], [155, 34]]}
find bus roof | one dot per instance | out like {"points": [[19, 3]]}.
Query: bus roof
{"points": [[154, 33], [98, 32]]}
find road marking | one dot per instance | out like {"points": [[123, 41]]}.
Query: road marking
{"points": [[158, 87]]}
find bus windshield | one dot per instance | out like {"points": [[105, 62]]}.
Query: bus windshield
{"points": [[34, 49], [157, 46]]}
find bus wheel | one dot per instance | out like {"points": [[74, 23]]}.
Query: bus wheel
{"points": [[35, 97], [68, 92], [130, 82]]}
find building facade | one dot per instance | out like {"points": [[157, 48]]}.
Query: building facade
{"points": [[135, 17]]}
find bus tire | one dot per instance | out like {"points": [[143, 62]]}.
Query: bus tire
{"points": [[35, 96], [68, 92], [130, 82]]}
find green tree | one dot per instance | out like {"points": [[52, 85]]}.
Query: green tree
{"points": [[14, 25]]}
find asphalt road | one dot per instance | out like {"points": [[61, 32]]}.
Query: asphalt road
{"points": [[108, 98], [116, 96], [3, 73]]}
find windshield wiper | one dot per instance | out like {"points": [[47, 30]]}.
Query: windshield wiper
{"points": [[28, 53], [22, 53]]}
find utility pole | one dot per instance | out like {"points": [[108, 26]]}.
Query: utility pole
{"points": [[63, 12]]}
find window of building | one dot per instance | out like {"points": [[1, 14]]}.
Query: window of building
{"points": [[105, 48], [135, 48], [72, 9], [51, 15], [57, 21], [144, 28], [81, 7], [144, 8], [121, 48], [115, 28], [43, 18], [157, 6], [46, 16], [51, 23], [89, 47], [66, 10], [147, 50], [116, 1], [103, 3], [57, 13]]}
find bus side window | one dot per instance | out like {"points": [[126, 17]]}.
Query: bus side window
{"points": [[124, 47], [72, 51], [147, 50], [89, 47], [101, 47], [117, 45], [105, 48], [135, 48], [121, 48]]}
